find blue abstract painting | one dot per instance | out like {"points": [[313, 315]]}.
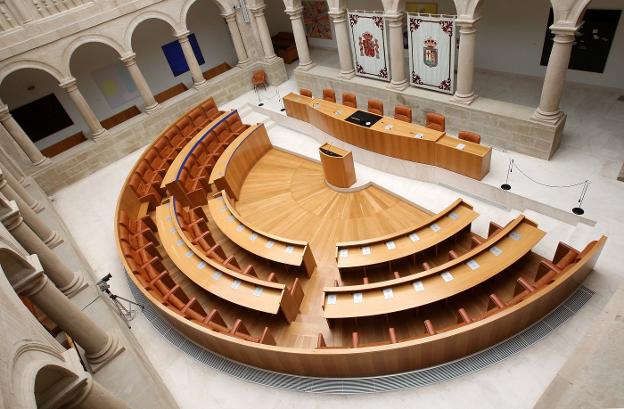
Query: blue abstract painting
{"points": [[175, 56]]}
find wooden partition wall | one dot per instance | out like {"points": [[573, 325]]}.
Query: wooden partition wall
{"points": [[239, 157]]}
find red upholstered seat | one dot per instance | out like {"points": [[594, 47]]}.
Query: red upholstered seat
{"points": [[329, 94], [349, 99], [403, 113], [305, 92], [436, 121], [469, 136], [375, 106]]}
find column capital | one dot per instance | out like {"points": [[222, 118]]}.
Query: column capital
{"points": [[10, 215], [295, 13], [258, 10], [467, 21], [337, 15], [394, 16], [68, 84], [32, 282], [4, 112], [229, 17], [182, 36], [129, 59]]}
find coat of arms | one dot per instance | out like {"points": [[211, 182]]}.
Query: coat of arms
{"points": [[369, 45], [430, 52]]}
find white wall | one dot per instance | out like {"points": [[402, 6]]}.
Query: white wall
{"points": [[511, 37]]}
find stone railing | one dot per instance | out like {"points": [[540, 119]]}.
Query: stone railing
{"points": [[15, 13]]}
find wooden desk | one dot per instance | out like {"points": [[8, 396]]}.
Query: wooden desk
{"points": [[258, 242], [231, 286], [392, 137], [338, 170], [178, 163], [478, 265], [438, 228], [234, 164]]}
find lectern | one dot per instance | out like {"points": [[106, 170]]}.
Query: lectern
{"points": [[337, 166]]}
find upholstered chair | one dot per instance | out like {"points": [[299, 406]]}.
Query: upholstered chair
{"points": [[329, 94], [403, 113], [469, 136], [305, 92], [375, 106], [349, 99], [436, 121]]}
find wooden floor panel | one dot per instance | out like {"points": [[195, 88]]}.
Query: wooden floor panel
{"points": [[286, 195]]}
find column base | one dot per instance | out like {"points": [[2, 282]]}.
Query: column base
{"points": [[95, 136], [199, 85], [271, 58], [37, 206], [399, 86], [78, 284], [42, 162], [54, 240], [152, 108], [306, 67], [243, 63], [112, 349], [464, 99], [347, 75], [549, 118]]}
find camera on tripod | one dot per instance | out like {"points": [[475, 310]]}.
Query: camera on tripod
{"points": [[127, 313]]}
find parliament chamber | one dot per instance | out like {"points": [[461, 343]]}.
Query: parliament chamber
{"points": [[311, 203], [202, 233]]}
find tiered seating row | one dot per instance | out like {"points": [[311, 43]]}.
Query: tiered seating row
{"points": [[459, 274], [440, 227], [243, 288], [265, 245], [566, 262], [139, 246], [188, 176], [148, 175]]}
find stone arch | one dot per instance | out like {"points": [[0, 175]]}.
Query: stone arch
{"points": [[28, 360], [81, 41], [223, 6], [155, 15], [468, 8], [12, 67], [568, 12]]}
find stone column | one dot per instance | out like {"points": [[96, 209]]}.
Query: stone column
{"points": [[20, 137], [191, 61], [398, 79], [97, 131], [99, 346], [339, 19], [263, 31], [8, 164], [554, 80], [296, 20], [34, 204], [69, 282], [50, 237], [95, 396], [464, 93], [139, 80], [237, 39]]}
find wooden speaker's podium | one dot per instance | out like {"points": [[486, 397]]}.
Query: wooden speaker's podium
{"points": [[337, 166]]}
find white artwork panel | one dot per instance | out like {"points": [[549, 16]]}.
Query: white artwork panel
{"points": [[368, 45], [432, 52]]}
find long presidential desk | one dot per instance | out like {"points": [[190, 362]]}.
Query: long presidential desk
{"points": [[392, 137]]}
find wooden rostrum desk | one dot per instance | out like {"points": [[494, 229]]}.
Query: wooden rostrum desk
{"points": [[392, 137]]}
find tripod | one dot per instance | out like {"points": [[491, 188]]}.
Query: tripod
{"points": [[127, 313]]}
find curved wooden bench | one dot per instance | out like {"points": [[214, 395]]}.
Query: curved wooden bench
{"points": [[440, 227], [244, 290], [261, 243], [480, 264]]}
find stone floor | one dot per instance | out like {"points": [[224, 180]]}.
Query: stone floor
{"points": [[519, 382]]}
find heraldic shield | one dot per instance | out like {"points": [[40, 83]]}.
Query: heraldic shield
{"points": [[430, 52]]}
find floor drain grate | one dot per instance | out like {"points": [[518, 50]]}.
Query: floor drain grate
{"points": [[350, 386]]}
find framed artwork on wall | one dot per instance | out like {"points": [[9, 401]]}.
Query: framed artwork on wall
{"points": [[50, 113], [592, 45], [316, 19], [115, 84], [422, 8], [175, 56]]}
